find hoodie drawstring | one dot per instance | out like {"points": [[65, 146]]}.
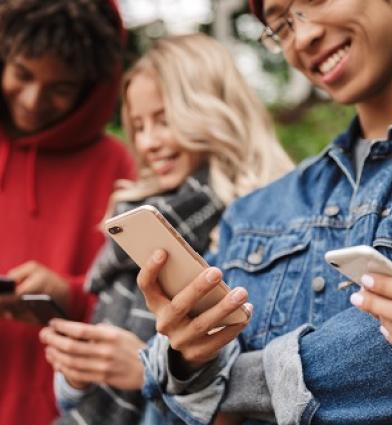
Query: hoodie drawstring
{"points": [[5, 150], [31, 184]]}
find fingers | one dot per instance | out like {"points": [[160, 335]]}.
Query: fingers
{"points": [[32, 284], [82, 364], [199, 327], [186, 299], [24, 270], [200, 351], [67, 345], [84, 331], [148, 281], [386, 329], [372, 303], [214, 317], [379, 284], [60, 363]]}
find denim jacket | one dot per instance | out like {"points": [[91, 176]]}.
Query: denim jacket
{"points": [[273, 243]]}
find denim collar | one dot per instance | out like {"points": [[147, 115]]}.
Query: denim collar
{"points": [[346, 141]]}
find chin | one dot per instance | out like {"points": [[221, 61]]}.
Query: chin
{"points": [[170, 182]]}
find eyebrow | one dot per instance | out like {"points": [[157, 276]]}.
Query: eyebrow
{"points": [[67, 82]]}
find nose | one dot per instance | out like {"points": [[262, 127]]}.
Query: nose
{"points": [[32, 97], [149, 140], [307, 34]]}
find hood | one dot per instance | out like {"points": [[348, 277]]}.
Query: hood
{"points": [[84, 126], [87, 122]]}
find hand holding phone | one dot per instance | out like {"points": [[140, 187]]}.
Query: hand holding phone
{"points": [[356, 261], [141, 231]]}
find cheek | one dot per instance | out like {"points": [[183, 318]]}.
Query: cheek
{"points": [[9, 87]]}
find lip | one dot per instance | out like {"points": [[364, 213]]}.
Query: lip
{"points": [[167, 166], [335, 74], [28, 116], [323, 56]]}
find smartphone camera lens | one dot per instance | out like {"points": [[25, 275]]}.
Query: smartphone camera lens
{"points": [[115, 229]]}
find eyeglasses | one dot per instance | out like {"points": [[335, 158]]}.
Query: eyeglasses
{"points": [[280, 34]]}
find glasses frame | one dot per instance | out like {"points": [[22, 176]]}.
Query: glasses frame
{"points": [[270, 39]]}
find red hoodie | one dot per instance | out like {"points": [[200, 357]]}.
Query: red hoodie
{"points": [[54, 190]]}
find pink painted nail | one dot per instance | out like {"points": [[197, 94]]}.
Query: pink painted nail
{"points": [[356, 299], [384, 331], [367, 281]]}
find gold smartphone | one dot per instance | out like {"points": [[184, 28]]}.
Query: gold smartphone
{"points": [[143, 230]]}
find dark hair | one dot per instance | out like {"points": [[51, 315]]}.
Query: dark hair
{"points": [[85, 34], [256, 6]]}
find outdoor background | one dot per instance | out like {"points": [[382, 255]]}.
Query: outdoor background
{"points": [[306, 120]]}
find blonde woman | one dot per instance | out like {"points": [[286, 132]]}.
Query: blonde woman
{"points": [[201, 138]]}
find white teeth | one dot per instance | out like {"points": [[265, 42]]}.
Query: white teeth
{"points": [[329, 64], [159, 163]]}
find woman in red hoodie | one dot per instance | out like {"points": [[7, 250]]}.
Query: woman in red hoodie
{"points": [[60, 68]]}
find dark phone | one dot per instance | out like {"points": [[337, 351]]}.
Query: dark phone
{"points": [[7, 285], [42, 307]]}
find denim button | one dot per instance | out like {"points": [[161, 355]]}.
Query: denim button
{"points": [[318, 284], [256, 256], [332, 211]]}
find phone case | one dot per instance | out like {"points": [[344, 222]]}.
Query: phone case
{"points": [[141, 231], [42, 307], [356, 261]]}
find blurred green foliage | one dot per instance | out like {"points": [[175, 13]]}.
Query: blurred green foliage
{"points": [[317, 126]]}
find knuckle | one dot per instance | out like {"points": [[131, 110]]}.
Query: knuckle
{"points": [[141, 282], [162, 327], [199, 325], [369, 303], [107, 353], [104, 370], [69, 345], [177, 345], [178, 307]]}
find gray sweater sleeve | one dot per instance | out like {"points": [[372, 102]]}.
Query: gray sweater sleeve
{"points": [[266, 384]]}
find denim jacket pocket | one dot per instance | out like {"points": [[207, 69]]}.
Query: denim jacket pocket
{"points": [[270, 265]]}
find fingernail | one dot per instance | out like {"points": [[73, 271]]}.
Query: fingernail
{"points": [[158, 256], [249, 307], [213, 276], [367, 281], [238, 296], [356, 299], [384, 331]]}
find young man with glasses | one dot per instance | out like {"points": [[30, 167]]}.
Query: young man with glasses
{"points": [[306, 356]]}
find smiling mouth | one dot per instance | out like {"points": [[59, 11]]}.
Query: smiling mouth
{"points": [[163, 165], [332, 61]]}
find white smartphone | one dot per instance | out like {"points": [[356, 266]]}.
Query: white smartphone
{"points": [[356, 261], [141, 231]]}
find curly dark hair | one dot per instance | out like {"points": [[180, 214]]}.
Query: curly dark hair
{"points": [[85, 34]]}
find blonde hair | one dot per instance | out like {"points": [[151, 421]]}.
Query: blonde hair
{"points": [[212, 110]]}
